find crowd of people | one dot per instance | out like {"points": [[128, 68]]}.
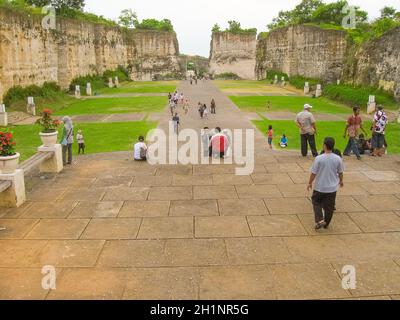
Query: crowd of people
{"points": [[327, 172], [176, 100], [357, 144]]}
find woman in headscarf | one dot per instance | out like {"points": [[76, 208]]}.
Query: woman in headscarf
{"points": [[67, 140]]}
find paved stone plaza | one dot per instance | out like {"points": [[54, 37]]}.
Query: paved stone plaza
{"points": [[116, 229]]}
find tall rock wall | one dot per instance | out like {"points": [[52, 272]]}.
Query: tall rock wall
{"points": [[377, 63], [303, 50], [234, 53], [30, 54]]}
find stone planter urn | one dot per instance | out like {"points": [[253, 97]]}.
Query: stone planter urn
{"points": [[9, 164], [49, 139]]}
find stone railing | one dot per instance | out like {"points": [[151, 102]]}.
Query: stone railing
{"points": [[12, 185]]}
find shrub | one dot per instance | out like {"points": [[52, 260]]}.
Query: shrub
{"points": [[97, 82], [299, 81], [7, 143], [18, 93], [120, 73], [271, 75], [227, 76], [356, 95], [154, 24]]}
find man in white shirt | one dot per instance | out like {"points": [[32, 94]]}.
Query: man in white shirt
{"points": [[140, 150], [305, 121], [327, 171]]}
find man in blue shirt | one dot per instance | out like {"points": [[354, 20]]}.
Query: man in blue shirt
{"points": [[327, 172]]}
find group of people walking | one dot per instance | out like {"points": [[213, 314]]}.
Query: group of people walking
{"points": [[204, 111], [178, 99]]}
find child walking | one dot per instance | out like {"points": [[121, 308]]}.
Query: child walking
{"points": [[270, 136], [81, 142]]}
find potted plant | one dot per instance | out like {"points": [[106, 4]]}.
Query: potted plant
{"points": [[49, 133], [8, 157]]}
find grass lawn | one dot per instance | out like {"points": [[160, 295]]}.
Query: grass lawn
{"points": [[333, 129], [114, 105], [290, 104], [99, 137], [142, 87]]}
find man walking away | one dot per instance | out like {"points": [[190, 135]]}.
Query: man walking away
{"points": [[327, 171], [176, 122], [172, 107], [213, 106], [378, 132], [201, 109], [306, 123], [354, 124]]}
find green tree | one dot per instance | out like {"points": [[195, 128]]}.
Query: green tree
{"points": [[388, 12], [315, 11], [303, 12], [234, 26], [332, 13], [128, 18], [216, 28]]}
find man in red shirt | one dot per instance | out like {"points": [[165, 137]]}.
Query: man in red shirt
{"points": [[353, 126]]}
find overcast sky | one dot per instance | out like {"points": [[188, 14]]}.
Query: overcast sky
{"points": [[193, 20]]}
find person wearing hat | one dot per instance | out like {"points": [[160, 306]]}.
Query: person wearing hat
{"points": [[306, 123], [81, 142]]}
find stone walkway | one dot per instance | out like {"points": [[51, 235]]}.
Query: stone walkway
{"points": [[116, 229]]}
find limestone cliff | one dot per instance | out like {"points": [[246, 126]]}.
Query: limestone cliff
{"points": [[233, 53], [30, 54], [312, 52], [377, 63], [303, 50]]}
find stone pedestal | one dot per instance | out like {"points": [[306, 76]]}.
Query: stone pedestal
{"points": [[30, 107], [338, 82], [283, 82], [88, 89], [306, 88], [116, 82], [55, 163], [318, 92], [371, 106], [110, 83], [14, 196], [276, 79], [3, 116], [77, 92]]}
